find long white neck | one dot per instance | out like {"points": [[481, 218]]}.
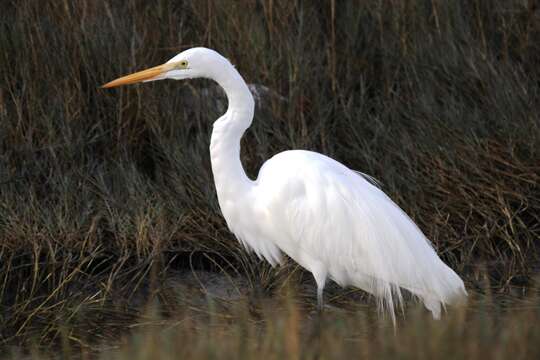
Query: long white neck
{"points": [[229, 175]]}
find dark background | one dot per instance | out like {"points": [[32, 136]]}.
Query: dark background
{"points": [[438, 100]]}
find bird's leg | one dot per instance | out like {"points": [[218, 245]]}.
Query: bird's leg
{"points": [[320, 302], [320, 278]]}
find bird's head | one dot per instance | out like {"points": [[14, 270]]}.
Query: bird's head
{"points": [[191, 63]]}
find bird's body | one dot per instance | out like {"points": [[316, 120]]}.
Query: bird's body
{"points": [[323, 215]]}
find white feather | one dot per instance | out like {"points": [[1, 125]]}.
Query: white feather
{"points": [[328, 218], [332, 221]]}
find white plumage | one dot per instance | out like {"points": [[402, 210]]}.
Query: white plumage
{"points": [[325, 216]]}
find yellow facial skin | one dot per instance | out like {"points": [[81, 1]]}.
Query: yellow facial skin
{"points": [[147, 74]]}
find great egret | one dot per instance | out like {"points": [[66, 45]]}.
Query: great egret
{"points": [[323, 215]]}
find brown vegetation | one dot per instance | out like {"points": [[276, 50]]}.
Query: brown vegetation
{"points": [[102, 192]]}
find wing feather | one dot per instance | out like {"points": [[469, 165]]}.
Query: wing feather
{"points": [[324, 214]]}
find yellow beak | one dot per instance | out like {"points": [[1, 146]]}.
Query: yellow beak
{"points": [[144, 75]]}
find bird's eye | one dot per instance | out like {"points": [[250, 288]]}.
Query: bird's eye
{"points": [[182, 64]]}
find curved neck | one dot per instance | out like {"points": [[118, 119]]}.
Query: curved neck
{"points": [[229, 175]]}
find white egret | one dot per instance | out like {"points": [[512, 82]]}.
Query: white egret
{"points": [[323, 215]]}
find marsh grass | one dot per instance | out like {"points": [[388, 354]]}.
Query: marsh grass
{"points": [[103, 192], [283, 328]]}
